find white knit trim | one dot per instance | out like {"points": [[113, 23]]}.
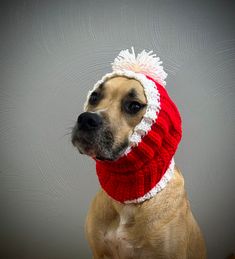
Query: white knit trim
{"points": [[152, 109], [145, 63], [158, 187]]}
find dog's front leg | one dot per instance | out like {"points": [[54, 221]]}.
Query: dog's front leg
{"points": [[100, 218]]}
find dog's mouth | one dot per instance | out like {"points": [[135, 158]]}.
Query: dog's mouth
{"points": [[99, 145]]}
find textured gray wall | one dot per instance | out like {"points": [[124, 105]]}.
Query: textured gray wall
{"points": [[51, 53]]}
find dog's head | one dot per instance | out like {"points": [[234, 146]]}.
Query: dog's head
{"points": [[111, 113]]}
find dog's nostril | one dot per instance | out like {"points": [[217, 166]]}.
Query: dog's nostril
{"points": [[89, 121]]}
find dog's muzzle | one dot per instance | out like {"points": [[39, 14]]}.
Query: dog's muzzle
{"points": [[92, 136], [87, 130]]}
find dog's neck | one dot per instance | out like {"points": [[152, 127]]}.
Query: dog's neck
{"points": [[136, 185]]}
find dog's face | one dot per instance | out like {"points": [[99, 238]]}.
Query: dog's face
{"points": [[111, 114]]}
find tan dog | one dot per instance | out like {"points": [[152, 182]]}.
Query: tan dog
{"points": [[161, 227]]}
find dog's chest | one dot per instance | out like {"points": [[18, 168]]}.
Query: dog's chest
{"points": [[119, 238]]}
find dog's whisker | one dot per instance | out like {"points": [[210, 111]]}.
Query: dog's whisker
{"points": [[69, 128], [66, 134]]}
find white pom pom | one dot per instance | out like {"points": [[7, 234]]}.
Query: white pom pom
{"points": [[145, 63]]}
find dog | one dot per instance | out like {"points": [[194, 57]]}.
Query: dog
{"points": [[161, 226]]}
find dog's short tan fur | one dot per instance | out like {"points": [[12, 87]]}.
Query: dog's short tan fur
{"points": [[162, 227], [115, 91]]}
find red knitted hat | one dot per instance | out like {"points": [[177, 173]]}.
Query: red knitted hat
{"points": [[148, 163]]}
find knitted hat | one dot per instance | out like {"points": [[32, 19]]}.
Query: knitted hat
{"points": [[148, 163]]}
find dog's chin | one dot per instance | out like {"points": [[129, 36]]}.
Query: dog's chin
{"points": [[85, 150], [107, 156], [102, 154]]}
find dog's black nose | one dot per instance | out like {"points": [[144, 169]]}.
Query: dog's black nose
{"points": [[89, 121]]}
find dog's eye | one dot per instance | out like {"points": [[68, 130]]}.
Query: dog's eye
{"points": [[94, 98], [133, 107]]}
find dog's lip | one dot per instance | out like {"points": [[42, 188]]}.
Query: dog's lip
{"points": [[85, 150], [90, 152], [81, 139], [84, 146]]}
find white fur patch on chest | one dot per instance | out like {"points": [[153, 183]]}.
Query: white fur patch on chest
{"points": [[118, 239]]}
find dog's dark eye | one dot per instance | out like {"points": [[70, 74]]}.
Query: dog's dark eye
{"points": [[94, 98], [133, 107]]}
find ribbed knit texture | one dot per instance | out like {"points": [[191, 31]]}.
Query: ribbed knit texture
{"points": [[135, 174]]}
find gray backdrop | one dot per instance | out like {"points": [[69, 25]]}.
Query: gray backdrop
{"points": [[51, 54]]}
